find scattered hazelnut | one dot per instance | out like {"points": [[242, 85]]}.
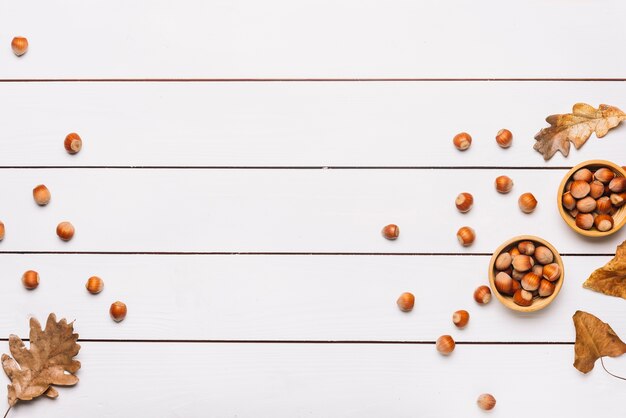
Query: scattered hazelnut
{"points": [[65, 231], [118, 311], [1, 231], [94, 285], [462, 141], [460, 318], [406, 301], [504, 184], [527, 202], [464, 202], [504, 138], [580, 189], [391, 232], [466, 236], [73, 143], [523, 298], [41, 194], [19, 45], [445, 344], [486, 402], [482, 295], [603, 223], [30, 279], [543, 255]]}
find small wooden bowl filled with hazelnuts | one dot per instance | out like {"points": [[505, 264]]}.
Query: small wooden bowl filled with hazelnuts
{"points": [[592, 198], [526, 273]]}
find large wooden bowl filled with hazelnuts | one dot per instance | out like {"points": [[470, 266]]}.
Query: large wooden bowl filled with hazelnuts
{"points": [[526, 273], [592, 198]]}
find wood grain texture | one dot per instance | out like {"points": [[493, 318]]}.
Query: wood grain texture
{"points": [[356, 39], [280, 211], [251, 380], [293, 124], [287, 298]]}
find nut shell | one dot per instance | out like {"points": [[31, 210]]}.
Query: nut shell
{"points": [[41, 194], [543, 255], [527, 202], [30, 279], [504, 283], [391, 232], [464, 202], [603, 223], [586, 205], [1, 231], [530, 282], [460, 318], [73, 143], [445, 344], [94, 285], [552, 272], [526, 247], [19, 45], [462, 141], [504, 184], [604, 205], [546, 288], [584, 174], [596, 189], [604, 175], [523, 263], [569, 202], [118, 311], [580, 189], [486, 402], [482, 295], [65, 231], [503, 261], [466, 236], [523, 298], [406, 301], [618, 185], [504, 138], [584, 221]]}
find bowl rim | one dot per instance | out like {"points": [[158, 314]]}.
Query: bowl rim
{"points": [[569, 220], [508, 300]]}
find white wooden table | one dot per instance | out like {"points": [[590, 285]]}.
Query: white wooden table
{"points": [[239, 161]]}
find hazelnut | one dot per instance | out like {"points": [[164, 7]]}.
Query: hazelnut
{"points": [[580, 189], [406, 301], [596, 189], [391, 232], [618, 199], [460, 318], [504, 184], [1, 231], [515, 286], [65, 231], [482, 295], [530, 282], [546, 288], [445, 344], [503, 261], [30, 279], [41, 194], [551, 272], [504, 138], [118, 311], [94, 285], [543, 255], [523, 262], [603, 223], [504, 283], [584, 221], [464, 202], [618, 185], [584, 174], [73, 143], [523, 298], [604, 205], [462, 141], [19, 44], [466, 236], [586, 205], [517, 275], [486, 402], [604, 175], [514, 252], [569, 202], [527, 202], [526, 248]]}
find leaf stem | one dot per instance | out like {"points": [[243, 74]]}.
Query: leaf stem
{"points": [[619, 377], [7, 412]]}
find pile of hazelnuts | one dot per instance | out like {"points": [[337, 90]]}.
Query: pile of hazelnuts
{"points": [[593, 197], [526, 271]]}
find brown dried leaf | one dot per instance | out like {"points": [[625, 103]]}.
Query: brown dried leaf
{"points": [[594, 339], [610, 279], [33, 370], [576, 127]]}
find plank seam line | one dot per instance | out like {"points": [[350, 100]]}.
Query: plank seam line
{"points": [[310, 79]]}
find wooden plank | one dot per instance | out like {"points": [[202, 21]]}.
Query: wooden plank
{"points": [[278, 38], [280, 211], [286, 298], [287, 380], [292, 124]]}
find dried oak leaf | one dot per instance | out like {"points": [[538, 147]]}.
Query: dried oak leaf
{"points": [[576, 127], [33, 370], [594, 339], [610, 279]]}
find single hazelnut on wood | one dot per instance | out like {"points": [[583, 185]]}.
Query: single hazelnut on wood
{"points": [[406, 301], [482, 295], [94, 285], [504, 138], [41, 194], [462, 141], [504, 184], [527, 202], [391, 232], [523, 298], [604, 175], [530, 282], [486, 402], [30, 279], [19, 44], [1, 231], [464, 202], [603, 223], [618, 185], [586, 205], [460, 318], [73, 143], [543, 255], [523, 262], [118, 311], [580, 189], [65, 231], [466, 236], [584, 174], [445, 344], [551, 272], [546, 288], [584, 221]]}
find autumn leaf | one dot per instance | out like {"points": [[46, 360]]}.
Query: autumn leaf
{"points": [[610, 279], [33, 370], [594, 339], [576, 127]]}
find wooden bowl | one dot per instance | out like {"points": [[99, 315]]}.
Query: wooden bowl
{"points": [[538, 302], [619, 218]]}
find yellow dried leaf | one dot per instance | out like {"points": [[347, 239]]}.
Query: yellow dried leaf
{"points": [[48, 361], [576, 127], [610, 279], [594, 339]]}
